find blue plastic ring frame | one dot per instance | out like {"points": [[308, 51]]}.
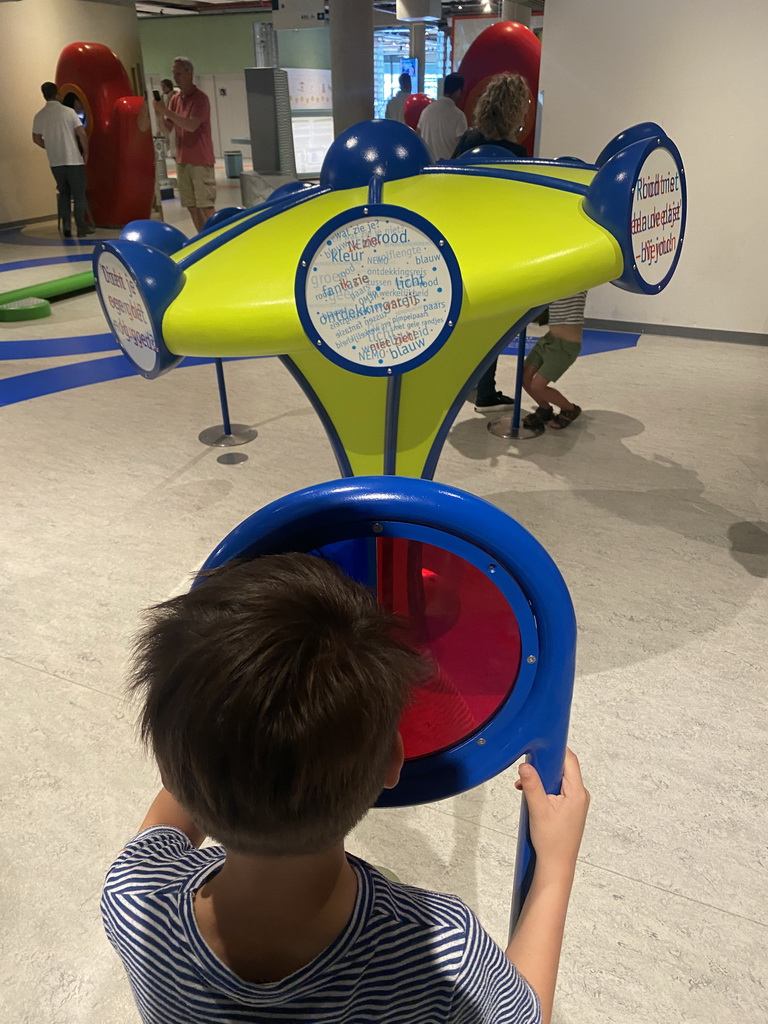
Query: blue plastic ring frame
{"points": [[369, 212], [370, 507], [609, 202], [157, 280]]}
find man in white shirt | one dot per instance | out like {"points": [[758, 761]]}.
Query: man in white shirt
{"points": [[442, 124], [58, 130], [396, 106]]}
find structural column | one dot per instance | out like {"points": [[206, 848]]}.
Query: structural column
{"points": [[351, 23], [418, 49], [511, 11]]}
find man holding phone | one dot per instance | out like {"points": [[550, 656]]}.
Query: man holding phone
{"points": [[189, 113]]}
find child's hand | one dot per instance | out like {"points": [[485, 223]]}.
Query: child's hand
{"points": [[556, 822]]}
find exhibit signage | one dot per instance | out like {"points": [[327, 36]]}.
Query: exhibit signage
{"points": [[378, 294]]}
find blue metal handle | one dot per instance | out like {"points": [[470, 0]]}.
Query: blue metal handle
{"points": [[548, 762]]}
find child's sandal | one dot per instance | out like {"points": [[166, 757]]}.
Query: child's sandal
{"points": [[537, 419], [565, 418]]}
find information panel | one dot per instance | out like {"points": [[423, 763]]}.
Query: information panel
{"points": [[127, 313], [378, 295], [657, 208]]}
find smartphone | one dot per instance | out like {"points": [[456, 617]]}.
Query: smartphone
{"points": [[156, 94]]}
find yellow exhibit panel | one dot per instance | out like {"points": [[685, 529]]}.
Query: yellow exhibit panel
{"points": [[389, 287]]}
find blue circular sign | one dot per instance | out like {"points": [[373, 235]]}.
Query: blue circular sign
{"points": [[639, 195], [135, 284], [378, 290]]}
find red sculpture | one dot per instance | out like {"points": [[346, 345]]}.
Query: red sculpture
{"points": [[120, 173], [504, 46], [414, 105]]}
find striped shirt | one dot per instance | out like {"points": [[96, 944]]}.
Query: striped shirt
{"points": [[568, 311], [406, 956]]}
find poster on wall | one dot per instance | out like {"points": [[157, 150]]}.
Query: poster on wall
{"points": [[309, 89]]}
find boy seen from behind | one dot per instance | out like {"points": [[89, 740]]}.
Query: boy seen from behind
{"points": [[272, 695]]}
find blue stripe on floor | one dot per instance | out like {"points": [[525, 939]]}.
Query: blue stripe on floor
{"points": [[24, 386], [606, 341], [593, 342], [46, 348], [38, 383], [44, 261]]}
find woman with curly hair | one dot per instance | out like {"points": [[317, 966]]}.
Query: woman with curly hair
{"points": [[499, 117]]}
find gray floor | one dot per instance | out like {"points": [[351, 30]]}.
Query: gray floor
{"points": [[655, 507]]}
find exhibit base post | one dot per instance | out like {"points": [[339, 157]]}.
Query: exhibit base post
{"points": [[510, 427], [229, 434]]}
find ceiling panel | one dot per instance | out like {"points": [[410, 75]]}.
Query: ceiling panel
{"points": [[171, 8]]}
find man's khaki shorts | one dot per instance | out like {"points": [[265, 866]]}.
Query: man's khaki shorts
{"points": [[197, 185]]}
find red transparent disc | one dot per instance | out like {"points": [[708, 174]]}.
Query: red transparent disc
{"points": [[463, 621]]}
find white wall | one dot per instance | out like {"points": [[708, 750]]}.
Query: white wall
{"points": [[32, 35], [702, 74]]}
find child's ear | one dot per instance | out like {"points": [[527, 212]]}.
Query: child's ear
{"points": [[396, 763]]}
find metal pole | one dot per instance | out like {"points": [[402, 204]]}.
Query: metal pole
{"points": [[228, 435], [510, 427], [519, 380], [223, 398]]}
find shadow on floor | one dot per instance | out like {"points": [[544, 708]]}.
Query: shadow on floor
{"points": [[749, 547], [646, 555], [592, 460]]}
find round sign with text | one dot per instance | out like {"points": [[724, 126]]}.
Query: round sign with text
{"points": [[657, 215], [378, 294], [127, 312]]}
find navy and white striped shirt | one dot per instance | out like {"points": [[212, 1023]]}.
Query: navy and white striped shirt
{"points": [[407, 956]]}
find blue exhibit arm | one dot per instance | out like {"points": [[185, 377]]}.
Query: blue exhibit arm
{"points": [[547, 758]]}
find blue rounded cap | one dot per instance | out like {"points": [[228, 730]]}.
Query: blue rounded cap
{"points": [[637, 133], [373, 149], [218, 218], [155, 233]]}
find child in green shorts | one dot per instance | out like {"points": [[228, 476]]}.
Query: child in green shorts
{"points": [[550, 357]]}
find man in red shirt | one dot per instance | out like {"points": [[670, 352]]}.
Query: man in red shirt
{"points": [[189, 113]]}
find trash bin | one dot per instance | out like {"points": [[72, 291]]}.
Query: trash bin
{"points": [[233, 162]]}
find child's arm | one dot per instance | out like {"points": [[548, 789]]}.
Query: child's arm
{"points": [[166, 811], [557, 824]]}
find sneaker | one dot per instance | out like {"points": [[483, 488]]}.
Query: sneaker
{"points": [[87, 230], [495, 403], [67, 233]]}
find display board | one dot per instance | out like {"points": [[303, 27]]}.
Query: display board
{"points": [[376, 293], [312, 137]]}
